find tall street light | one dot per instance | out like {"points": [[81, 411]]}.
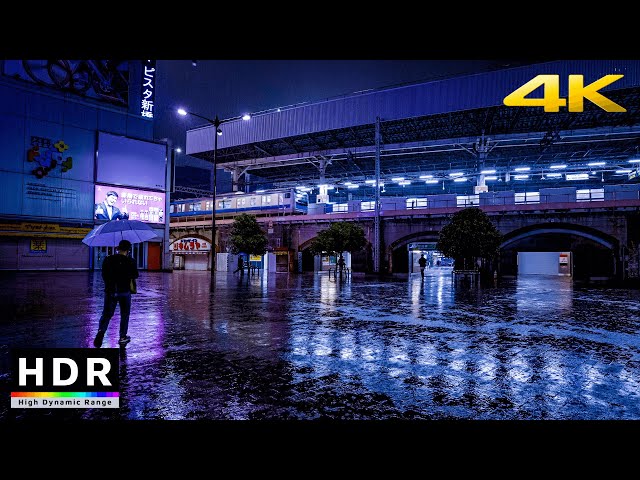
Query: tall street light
{"points": [[216, 122]]}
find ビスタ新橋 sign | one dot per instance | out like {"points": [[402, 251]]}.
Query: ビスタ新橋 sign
{"points": [[148, 87]]}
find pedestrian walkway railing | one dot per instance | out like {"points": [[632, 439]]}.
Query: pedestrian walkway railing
{"points": [[465, 276], [335, 271]]}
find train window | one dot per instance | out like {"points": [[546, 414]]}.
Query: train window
{"points": [[527, 197], [416, 203], [266, 199], [340, 207], [172, 208], [287, 195], [224, 204], [467, 200], [197, 207], [253, 201], [590, 195], [243, 201]]}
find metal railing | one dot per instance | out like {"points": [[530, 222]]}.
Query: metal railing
{"points": [[334, 271]]}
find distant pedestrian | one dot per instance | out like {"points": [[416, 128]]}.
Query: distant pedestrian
{"points": [[341, 264], [117, 272], [423, 263], [240, 266]]}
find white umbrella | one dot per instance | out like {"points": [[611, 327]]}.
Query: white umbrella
{"points": [[109, 234]]}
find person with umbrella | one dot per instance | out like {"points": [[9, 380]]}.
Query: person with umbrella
{"points": [[117, 272]]}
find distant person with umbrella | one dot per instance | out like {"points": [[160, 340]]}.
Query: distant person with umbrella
{"points": [[117, 272]]}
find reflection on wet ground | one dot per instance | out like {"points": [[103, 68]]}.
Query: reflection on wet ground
{"points": [[308, 347]]}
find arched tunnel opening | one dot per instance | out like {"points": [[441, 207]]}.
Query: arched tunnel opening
{"points": [[589, 259]]}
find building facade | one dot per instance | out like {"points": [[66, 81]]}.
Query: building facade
{"points": [[72, 156]]}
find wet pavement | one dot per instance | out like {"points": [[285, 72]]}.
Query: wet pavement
{"points": [[307, 347]]}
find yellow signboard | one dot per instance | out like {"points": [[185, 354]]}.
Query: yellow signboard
{"points": [[50, 230], [38, 245], [255, 258]]}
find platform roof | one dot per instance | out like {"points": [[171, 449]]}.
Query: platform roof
{"points": [[435, 128]]}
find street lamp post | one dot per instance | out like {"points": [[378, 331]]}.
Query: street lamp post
{"points": [[216, 122]]}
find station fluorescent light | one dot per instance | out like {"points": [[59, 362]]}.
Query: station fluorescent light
{"points": [[577, 176], [426, 176], [624, 170], [557, 167], [634, 160], [352, 186], [260, 191], [553, 175], [521, 177], [488, 171], [491, 177], [397, 179], [456, 174], [404, 182], [370, 181], [596, 164], [432, 181], [460, 179], [522, 169]]}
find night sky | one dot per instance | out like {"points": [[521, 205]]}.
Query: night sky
{"points": [[228, 88]]}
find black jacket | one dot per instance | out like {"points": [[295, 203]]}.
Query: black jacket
{"points": [[117, 272], [101, 213]]}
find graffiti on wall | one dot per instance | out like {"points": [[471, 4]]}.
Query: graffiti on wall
{"points": [[46, 156]]}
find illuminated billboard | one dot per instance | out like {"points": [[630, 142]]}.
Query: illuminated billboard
{"points": [[127, 161], [113, 203]]}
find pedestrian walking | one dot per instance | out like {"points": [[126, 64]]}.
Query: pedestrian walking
{"points": [[423, 263], [240, 266], [117, 272], [341, 264]]}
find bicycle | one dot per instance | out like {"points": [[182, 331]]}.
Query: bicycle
{"points": [[105, 77]]}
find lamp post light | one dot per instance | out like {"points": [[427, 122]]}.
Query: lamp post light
{"points": [[216, 122]]}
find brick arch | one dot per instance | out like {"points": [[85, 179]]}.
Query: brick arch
{"points": [[593, 234], [306, 244], [411, 238], [414, 237]]}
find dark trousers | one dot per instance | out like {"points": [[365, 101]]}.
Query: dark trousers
{"points": [[110, 302]]}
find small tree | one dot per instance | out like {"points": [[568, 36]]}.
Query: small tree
{"points": [[338, 238], [247, 236], [469, 235]]}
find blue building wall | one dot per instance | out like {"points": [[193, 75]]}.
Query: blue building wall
{"points": [[64, 196]]}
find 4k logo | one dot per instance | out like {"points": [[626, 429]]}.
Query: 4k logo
{"points": [[551, 100]]}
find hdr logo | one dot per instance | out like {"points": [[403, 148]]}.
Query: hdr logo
{"points": [[551, 100], [65, 378]]}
